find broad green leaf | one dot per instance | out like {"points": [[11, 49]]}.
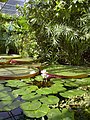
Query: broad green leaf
{"points": [[15, 104], [44, 91], [8, 98], [72, 93], [15, 83], [29, 96], [50, 100], [34, 105], [59, 83], [3, 95], [40, 112], [57, 88], [10, 105], [2, 81], [1, 87], [56, 80], [82, 82], [65, 114], [28, 80], [54, 114], [25, 90], [71, 84], [39, 78], [4, 104]]}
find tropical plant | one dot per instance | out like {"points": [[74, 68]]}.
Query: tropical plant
{"points": [[58, 28]]}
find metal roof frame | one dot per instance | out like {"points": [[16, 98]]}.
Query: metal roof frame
{"points": [[9, 7]]}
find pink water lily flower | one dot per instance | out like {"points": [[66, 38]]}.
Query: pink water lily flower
{"points": [[44, 74]]}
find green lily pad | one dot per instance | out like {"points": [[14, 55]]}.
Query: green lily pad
{"points": [[2, 81], [28, 96], [59, 83], [9, 97], [24, 90], [82, 82], [27, 106], [50, 100], [44, 91], [72, 93], [65, 114], [2, 88], [71, 84], [3, 95], [40, 112], [67, 70], [15, 83], [31, 96], [7, 105], [56, 80], [54, 114], [57, 88], [39, 78], [15, 104], [28, 80], [3, 105]]}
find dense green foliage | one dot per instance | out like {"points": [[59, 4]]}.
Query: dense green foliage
{"points": [[61, 28]]}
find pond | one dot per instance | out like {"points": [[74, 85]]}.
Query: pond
{"points": [[34, 96]]}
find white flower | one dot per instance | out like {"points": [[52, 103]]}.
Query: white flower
{"points": [[43, 71]]}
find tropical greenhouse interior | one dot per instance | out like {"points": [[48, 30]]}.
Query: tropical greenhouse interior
{"points": [[44, 60]]}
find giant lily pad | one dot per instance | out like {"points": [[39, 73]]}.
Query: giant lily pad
{"points": [[17, 72], [40, 112], [9, 56], [72, 93], [67, 70]]}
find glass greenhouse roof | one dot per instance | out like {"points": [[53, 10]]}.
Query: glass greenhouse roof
{"points": [[9, 7]]}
